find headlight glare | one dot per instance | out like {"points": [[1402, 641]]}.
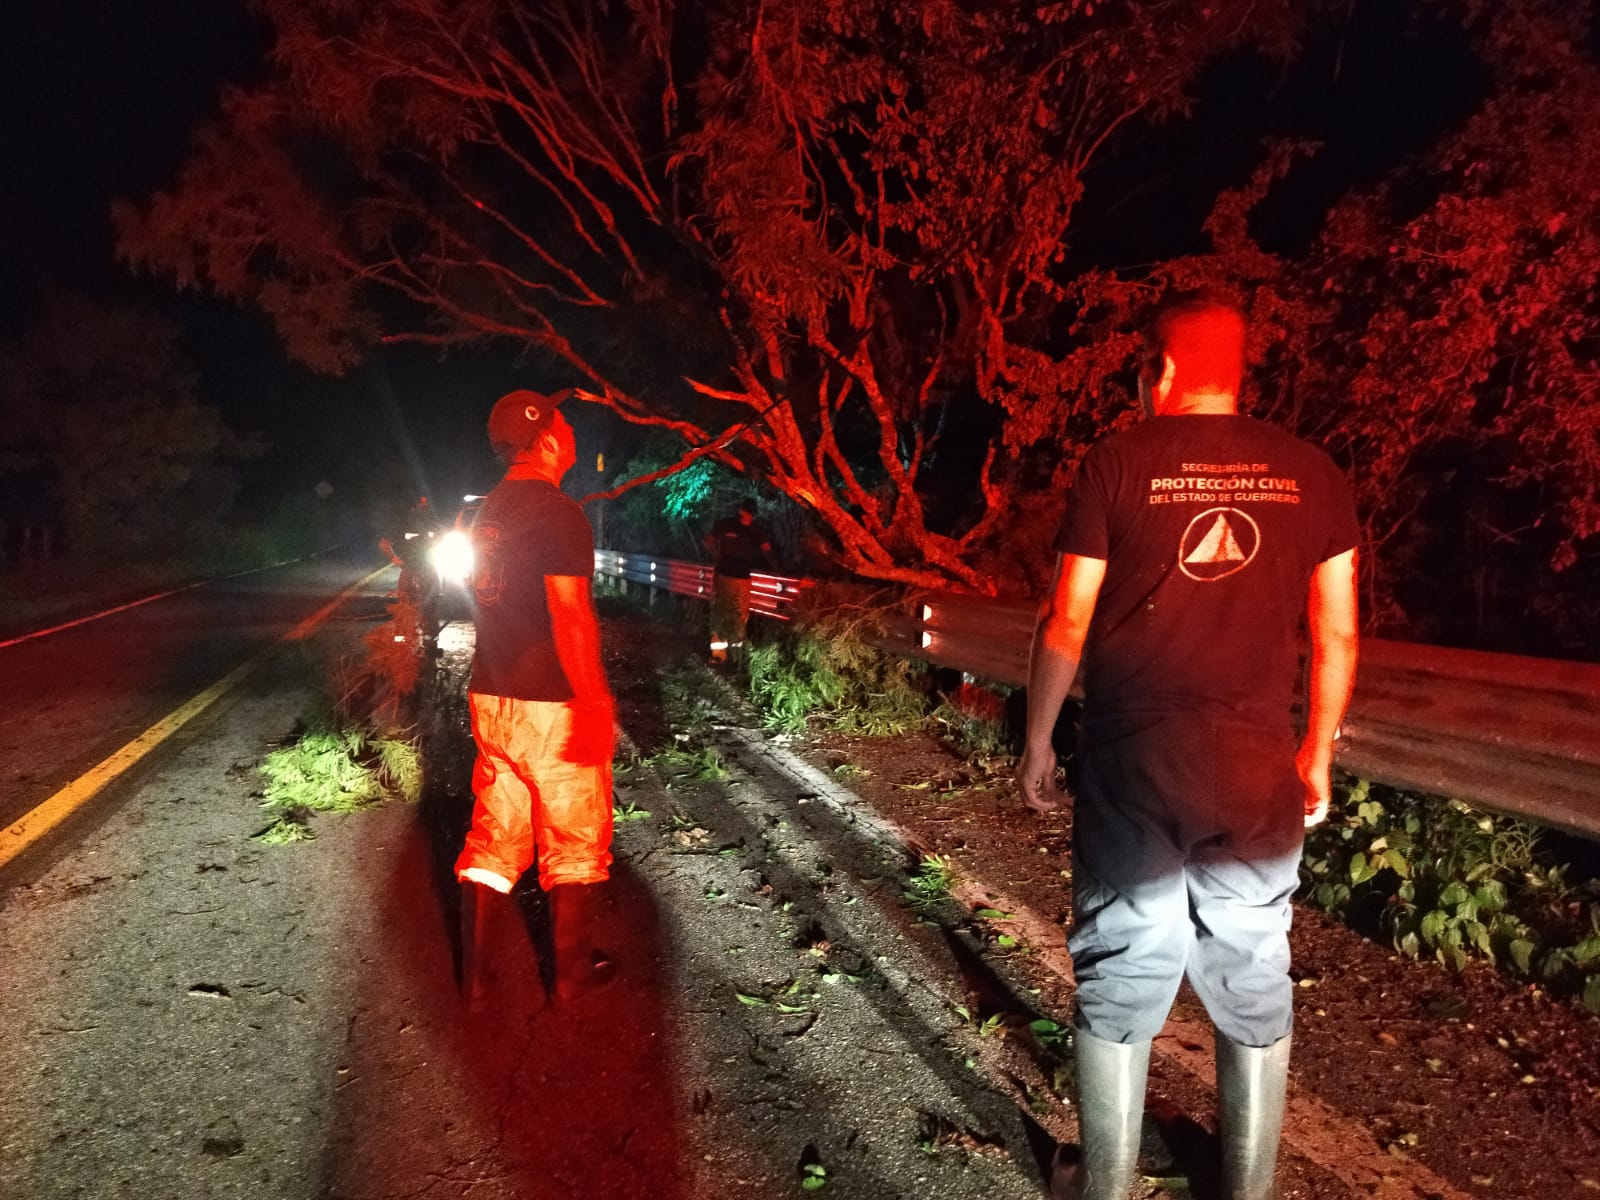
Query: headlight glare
{"points": [[452, 557]]}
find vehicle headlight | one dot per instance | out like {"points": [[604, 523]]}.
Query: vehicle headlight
{"points": [[452, 557]]}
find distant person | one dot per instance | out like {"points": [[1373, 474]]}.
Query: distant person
{"points": [[542, 715], [738, 545], [1190, 548], [409, 550]]}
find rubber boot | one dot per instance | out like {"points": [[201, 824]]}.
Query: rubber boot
{"points": [[579, 968], [478, 908], [1110, 1090], [1251, 1081]]}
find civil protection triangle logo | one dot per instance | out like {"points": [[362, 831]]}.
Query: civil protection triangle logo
{"points": [[1218, 543]]}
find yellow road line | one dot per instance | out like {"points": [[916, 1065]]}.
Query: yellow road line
{"points": [[22, 833]]}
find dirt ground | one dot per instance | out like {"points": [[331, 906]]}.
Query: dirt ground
{"points": [[1470, 1082], [1494, 1086]]}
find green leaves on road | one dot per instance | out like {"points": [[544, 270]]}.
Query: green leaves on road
{"points": [[331, 770]]}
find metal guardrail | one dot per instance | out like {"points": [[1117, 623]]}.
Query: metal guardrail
{"points": [[1517, 736], [770, 595], [980, 635]]}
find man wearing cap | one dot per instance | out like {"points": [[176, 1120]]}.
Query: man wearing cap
{"points": [[1193, 546], [542, 715]]}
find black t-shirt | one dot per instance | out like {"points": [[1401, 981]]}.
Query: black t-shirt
{"points": [[1210, 526], [738, 549], [525, 531]]}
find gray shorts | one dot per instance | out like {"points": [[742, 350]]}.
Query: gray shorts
{"points": [[1187, 837]]}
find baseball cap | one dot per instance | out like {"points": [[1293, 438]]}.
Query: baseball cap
{"points": [[519, 418]]}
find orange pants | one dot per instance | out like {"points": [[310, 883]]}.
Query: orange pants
{"points": [[529, 797]]}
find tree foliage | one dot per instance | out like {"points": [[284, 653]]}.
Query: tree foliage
{"points": [[1441, 337], [830, 258], [832, 243], [1484, 329]]}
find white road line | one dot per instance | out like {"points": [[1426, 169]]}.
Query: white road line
{"points": [[39, 633], [41, 819]]}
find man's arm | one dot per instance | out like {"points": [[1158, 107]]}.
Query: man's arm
{"points": [[1333, 618], [1053, 663], [576, 631]]}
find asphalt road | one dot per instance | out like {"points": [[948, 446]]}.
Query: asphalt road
{"points": [[127, 933], [187, 1012], [68, 699]]}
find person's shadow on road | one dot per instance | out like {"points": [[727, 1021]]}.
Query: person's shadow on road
{"points": [[523, 1098]]}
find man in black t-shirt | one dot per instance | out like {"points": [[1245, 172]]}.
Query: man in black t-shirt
{"points": [[1191, 546], [542, 715], [739, 546]]}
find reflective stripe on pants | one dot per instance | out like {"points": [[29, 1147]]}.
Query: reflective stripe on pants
{"points": [[730, 609], [530, 799]]}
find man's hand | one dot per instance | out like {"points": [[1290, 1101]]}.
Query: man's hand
{"points": [[1052, 664], [1036, 780], [594, 727], [1314, 763]]}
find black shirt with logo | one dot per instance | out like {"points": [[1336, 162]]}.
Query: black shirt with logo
{"points": [[739, 549], [526, 531], [1210, 527]]}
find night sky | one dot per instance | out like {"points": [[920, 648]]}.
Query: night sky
{"points": [[98, 101]]}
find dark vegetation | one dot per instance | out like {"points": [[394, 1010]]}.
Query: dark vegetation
{"points": [[113, 471]]}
